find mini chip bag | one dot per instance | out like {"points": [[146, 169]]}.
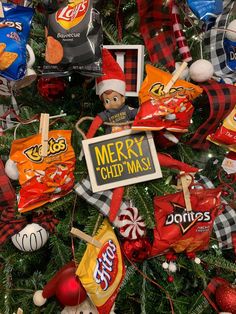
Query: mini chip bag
{"points": [[14, 33], [101, 271], [43, 179], [225, 135], [74, 39], [160, 111], [180, 230]]}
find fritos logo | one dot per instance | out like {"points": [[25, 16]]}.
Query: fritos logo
{"points": [[106, 266], [72, 14], [55, 147]]}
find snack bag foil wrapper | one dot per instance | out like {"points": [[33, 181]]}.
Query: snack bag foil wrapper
{"points": [[172, 111], [14, 34], [206, 10], [180, 230], [43, 179], [225, 135], [102, 270], [74, 39]]}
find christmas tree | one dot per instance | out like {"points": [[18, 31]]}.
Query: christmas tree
{"points": [[177, 277]]}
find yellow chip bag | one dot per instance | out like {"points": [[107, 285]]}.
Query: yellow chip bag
{"points": [[156, 80], [101, 271], [43, 179]]}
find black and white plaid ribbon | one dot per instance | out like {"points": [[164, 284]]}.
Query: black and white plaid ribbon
{"points": [[100, 200], [214, 44], [225, 224]]}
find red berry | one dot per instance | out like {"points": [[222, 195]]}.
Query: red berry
{"points": [[170, 278]]}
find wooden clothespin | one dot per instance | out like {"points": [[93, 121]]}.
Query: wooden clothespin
{"points": [[43, 130], [186, 180], [175, 77], [80, 234], [19, 311], [1, 10]]}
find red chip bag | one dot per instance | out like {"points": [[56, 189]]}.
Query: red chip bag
{"points": [[161, 111], [43, 179], [170, 113], [180, 230], [225, 135]]}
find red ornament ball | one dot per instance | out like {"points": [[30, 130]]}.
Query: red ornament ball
{"points": [[225, 296], [69, 289], [51, 88], [137, 250]]}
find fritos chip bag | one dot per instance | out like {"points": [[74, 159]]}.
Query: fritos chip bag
{"points": [[225, 135], [43, 179], [101, 271], [14, 33], [180, 230], [74, 39], [172, 111]]}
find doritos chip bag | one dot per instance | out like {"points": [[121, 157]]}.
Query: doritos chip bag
{"points": [[43, 179], [225, 135], [181, 230], [172, 111], [74, 39], [101, 271], [14, 33]]}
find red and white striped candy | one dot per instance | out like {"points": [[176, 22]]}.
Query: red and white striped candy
{"points": [[131, 224], [179, 35]]}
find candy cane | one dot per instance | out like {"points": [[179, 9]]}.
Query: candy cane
{"points": [[179, 35]]}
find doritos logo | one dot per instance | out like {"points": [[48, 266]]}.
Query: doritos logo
{"points": [[186, 220], [72, 14], [106, 265], [55, 147], [157, 89]]}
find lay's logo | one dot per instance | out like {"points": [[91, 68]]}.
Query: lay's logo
{"points": [[72, 14]]}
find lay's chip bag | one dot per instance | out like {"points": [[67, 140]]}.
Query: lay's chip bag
{"points": [[225, 135], [43, 179], [74, 39], [102, 270], [14, 33], [172, 111]]}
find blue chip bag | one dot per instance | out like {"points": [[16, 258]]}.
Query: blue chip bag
{"points": [[14, 33], [230, 49]]}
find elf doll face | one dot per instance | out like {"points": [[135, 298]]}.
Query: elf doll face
{"points": [[112, 100]]}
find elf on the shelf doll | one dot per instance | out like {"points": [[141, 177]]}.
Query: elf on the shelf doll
{"points": [[111, 88]]}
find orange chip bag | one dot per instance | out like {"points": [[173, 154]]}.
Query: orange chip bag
{"points": [[156, 80], [101, 271], [43, 179]]}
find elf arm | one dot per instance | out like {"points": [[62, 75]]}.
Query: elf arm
{"points": [[97, 122]]}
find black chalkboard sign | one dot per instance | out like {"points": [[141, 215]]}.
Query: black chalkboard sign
{"points": [[120, 159]]}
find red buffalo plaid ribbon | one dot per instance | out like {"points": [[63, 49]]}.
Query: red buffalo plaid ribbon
{"points": [[7, 193], [157, 31], [10, 224], [209, 292], [222, 99]]}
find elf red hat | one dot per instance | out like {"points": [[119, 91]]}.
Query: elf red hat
{"points": [[113, 78]]}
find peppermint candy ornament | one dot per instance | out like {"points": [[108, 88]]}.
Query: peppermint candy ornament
{"points": [[131, 224]]}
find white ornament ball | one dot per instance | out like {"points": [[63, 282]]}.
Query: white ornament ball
{"points": [[172, 267], [11, 170], [165, 265], [38, 298], [185, 74], [31, 238], [197, 260], [231, 35], [201, 70]]}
